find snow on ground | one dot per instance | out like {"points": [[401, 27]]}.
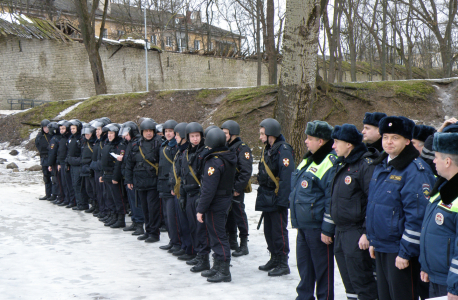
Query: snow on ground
{"points": [[50, 252], [67, 110], [9, 112]]}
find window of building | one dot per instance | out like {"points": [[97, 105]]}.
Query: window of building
{"points": [[168, 41], [121, 33], [211, 46], [154, 39], [182, 44], [105, 33], [196, 44]]}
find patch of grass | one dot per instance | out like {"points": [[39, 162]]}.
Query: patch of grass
{"points": [[163, 94], [242, 96], [46, 111]]}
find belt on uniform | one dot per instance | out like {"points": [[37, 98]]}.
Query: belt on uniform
{"points": [[107, 173]]}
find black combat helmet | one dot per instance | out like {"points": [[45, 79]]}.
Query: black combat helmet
{"points": [[208, 129], [148, 124], [106, 120], [113, 127], [65, 123], [87, 129], [271, 126], [169, 124], [53, 128], [45, 123], [77, 123], [216, 138], [181, 129], [194, 127], [130, 128], [232, 126]]}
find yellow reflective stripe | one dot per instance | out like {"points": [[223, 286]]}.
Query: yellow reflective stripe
{"points": [[322, 168], [433, 198], [302, 164]]}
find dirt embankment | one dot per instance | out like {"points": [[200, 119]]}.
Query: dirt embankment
{"points": [[341, 103]]}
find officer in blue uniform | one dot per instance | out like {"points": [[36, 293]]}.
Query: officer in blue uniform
{"points": [[398, 195], [420, 134], [439, 234], [42, 142], [349, 191], [215, 200], [310, 213], [371, 134], [274, 177]]}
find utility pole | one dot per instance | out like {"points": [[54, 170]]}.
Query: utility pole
{"points": [[146, 55]]}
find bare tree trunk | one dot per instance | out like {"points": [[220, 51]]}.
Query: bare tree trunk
{"points": [[383, 56], [270, 42], [298, 74], [258, 40]]}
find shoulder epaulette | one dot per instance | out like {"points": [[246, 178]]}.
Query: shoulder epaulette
{"points": [[368, 160], [419, 164], [332, 158]]}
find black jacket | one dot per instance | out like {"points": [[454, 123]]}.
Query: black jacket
{"points": [[138, 171], [111, 167], [75, 145], [175, 172], [244, 164], [376, 145], [42, 142], [63, 149], [166, 155], [350, 188], [53, 149], [86, 156], [217, 180], [192, 158]]}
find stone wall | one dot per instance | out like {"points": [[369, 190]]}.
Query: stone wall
{"points": [[49, 70]]}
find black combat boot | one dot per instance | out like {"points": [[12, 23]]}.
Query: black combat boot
{"points": [[44, 198], [108, 217], [282, 267], [120, 222], [179, 253], [223, 274], [213, 270], [96, 211], [166, 247], [104, 216], [143, 237], [174, 248], [91, 209], [132, 227], [194, 261], [186, 257], [52, 198], [112, 220], [271, 264], [204, 264], [233, 241], [163, 228], [243, 249], [62, 204], [139, 229], [151, 239]]}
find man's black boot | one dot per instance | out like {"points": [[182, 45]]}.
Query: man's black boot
{"points": [[282, 267], [271, 264], [223, 274], [243, 249], [213, 270], [139, 229], [179, 253], [174, 248], [194, 261], [90, 210], [151, 239], [120, 222], [44, 197], [132, 227], [52, 198], [112, 220], [143, 237], [62, 204], [166, 247], [186, 257], [204, 264]]}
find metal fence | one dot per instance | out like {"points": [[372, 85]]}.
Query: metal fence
{"points": [[25, 103]]}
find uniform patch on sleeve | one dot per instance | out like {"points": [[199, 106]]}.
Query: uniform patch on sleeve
{"points": [[247, 155], [286, 161], [426, 188], [211, 170], [123, 152], [52, 146], [394, 177]]}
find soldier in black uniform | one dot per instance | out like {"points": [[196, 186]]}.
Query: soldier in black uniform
{"points": [[62, 149], [131, 134], [75, 144], [215, 200], [273, 195], [349, 192], [86, 158], [57, 191], [141, 174], [237, 215], [96, 165], [186, 252], [191, 171], [167, 153], [112, 176], [371, 134], [42, 142]]}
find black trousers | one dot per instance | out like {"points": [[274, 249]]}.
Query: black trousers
{"points": [[275, 231], [395, 284], [199, 234], [171, 218], [237, 217], [108, 198], [59, 187], [151, 205], [185, 232], [118, 198], [219, 242], [46, 176], [163, 212], [67, 185], [100, 193], [91, 190], [355, 266], [80, 192]]}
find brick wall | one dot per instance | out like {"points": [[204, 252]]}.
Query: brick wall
{"points": [[49, 70]]}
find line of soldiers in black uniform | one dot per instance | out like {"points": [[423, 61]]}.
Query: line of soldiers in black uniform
{"points": [[190, 180]]}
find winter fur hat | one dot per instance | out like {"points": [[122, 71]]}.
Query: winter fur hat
{"points": [[397, 125], [319, 129], [421, 132], [446, 142], [373, 118], [347, 133], [451, 128]]}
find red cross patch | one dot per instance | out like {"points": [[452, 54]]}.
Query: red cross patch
{"points": [[286, 161], [211, 170], [247, 155], [347, 180], [304, 184]]}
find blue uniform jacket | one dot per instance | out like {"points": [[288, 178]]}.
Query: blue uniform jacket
{"points": [[398, 195], [439, 236], [310, 197]]}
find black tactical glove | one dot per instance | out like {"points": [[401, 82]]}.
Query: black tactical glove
{"points": [[183, 204]]}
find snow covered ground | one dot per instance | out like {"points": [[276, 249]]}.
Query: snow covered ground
{"points": [[50, 252]]}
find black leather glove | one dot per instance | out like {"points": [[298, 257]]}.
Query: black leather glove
{"points": [[91, 173], [183, 204]]}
